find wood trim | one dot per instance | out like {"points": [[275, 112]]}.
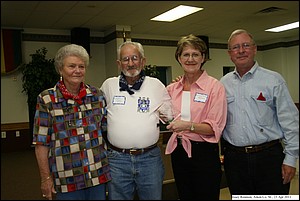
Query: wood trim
{"points": [[297, 105], [15, 126], [152, 42]]}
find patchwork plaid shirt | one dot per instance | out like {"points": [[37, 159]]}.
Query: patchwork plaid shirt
{"points": [[74, 135]]}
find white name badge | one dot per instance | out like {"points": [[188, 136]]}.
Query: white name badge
{"points": [[119, 100], [200, 97]]}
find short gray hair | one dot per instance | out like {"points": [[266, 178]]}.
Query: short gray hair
{"points": [[70, 50], [240, 31], [136, 44]]}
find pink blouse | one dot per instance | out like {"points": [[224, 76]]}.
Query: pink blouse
{"points": [[208, 105]]}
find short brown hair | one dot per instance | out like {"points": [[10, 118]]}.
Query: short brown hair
{"points": [[193, 41]]}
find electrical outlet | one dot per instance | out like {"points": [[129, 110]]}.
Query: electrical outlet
{"points": [[17, 133], [3, 134]]}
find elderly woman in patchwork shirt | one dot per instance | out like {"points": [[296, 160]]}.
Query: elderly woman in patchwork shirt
{"points": [[68, 133]]}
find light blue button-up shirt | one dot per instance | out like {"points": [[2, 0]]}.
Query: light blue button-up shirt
{"points": [[260, 109]]}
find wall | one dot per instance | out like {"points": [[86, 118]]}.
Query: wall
{"points": [[13, 101], [17, 137], [284, 60]]}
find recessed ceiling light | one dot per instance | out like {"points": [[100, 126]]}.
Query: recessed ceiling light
{"points": [[284, 27], [176, 13]]}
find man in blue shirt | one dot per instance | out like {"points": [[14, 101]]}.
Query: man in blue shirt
{"points": [[261, 137]]}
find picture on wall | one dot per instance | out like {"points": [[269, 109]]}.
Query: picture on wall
{"points": [[227, 69]]}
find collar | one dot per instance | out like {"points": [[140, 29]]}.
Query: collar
{"points": [[123, 84], [57, 96], [201, 82]]}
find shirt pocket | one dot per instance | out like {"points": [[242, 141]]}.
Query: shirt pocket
{"points": [[262, 110], [230, 112]]}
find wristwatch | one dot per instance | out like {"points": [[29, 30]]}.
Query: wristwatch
{"points": [[192, 127]]}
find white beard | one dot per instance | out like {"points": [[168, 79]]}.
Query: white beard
{"points": [[133, 74]]}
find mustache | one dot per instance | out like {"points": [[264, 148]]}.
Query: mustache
{"points": [[132, 68]]}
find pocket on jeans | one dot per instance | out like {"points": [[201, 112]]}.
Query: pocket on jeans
{"points": [[112, 153], [155, 152]]}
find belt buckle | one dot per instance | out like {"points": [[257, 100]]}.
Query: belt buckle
{"points": [[131, 151], [248, 149]]}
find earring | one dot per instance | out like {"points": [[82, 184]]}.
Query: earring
{"points": [[61, 78]]}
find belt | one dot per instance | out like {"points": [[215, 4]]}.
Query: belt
{"points": [[202, 143], [132, 151], [251, 148], [179, 140]]}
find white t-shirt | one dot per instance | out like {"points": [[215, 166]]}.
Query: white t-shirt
{"points": [[132, 120], [185, 106]]}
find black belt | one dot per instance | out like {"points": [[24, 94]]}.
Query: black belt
{"points": [[251, 148], [202, 143], [132, 151], [179, 140]]}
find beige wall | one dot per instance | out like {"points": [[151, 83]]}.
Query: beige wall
{"points": [[103, 65], [286, 62]]}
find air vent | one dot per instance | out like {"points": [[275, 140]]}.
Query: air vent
{"points": [[270, 10]]}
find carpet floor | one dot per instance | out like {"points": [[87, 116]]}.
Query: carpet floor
{"points": [[20, 178]]}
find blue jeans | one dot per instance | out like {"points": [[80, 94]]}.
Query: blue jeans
{"points": [[92, 193], [142, 173]]}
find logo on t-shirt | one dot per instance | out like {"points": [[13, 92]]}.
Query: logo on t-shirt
{"points": [[143, 104]]}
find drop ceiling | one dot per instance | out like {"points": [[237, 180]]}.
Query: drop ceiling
{"points": [[217, 20]]}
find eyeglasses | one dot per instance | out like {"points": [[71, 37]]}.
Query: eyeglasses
{"points": [[195, 56], [134, 59], [237, 47]]}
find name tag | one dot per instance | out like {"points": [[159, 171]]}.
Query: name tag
{"points": [[200, 97], [119, 100]]}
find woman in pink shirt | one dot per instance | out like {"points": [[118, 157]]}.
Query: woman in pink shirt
{"points": [[200, 107]]}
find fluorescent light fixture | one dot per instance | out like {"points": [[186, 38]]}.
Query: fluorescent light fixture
{"points": [[284, 27], [176, 13]]}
